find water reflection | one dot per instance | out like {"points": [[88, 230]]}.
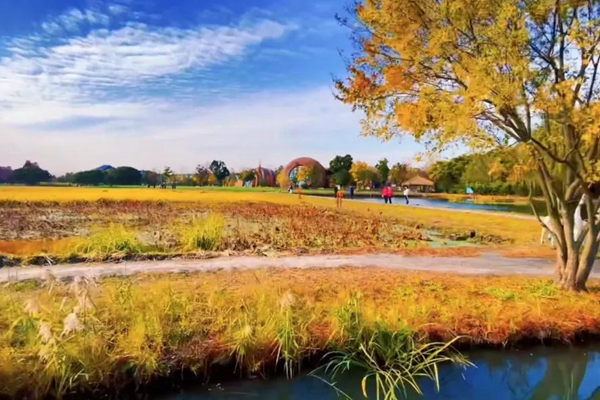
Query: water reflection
{"points": [[543, 374]]}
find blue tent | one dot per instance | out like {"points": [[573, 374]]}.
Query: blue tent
{"points": [[470, 191]]}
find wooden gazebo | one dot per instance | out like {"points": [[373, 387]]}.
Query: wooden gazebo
{"points": [[420, 184]]}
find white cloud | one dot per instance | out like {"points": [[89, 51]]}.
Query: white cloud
{"points": [[82, 68], [273, 127], [77, 95], [117, 9], [72, 20]]}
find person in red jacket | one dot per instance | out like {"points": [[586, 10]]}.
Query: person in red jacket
{"points": [[387, 193]]}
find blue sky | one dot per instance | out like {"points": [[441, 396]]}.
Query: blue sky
{"points": [[154, 83]]}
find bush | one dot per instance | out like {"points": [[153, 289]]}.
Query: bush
{"points": [[112, 241], [203, 233]]}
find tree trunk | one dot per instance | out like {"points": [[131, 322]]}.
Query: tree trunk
{"points": [[588, 258], [569, 273], [573, 273]]}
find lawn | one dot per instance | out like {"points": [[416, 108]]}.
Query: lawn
{"points": [[56, 337], [78, 224]]}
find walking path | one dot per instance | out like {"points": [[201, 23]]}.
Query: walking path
{"points": [[487, 264]]}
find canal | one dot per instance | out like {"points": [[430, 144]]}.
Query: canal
{"points": [[543, 373]]}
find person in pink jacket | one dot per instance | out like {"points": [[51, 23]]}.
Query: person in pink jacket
{"points": [[387, 193]]}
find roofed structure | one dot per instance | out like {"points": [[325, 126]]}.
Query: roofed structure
{"points": [[420, 184]]}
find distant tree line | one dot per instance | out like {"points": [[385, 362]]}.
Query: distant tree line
{"points": [[29, 174], [508, 171], [500, 172]]}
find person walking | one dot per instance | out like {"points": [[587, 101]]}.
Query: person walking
{"points": [[406, 193], [335, 190], [351, 192], [339, 195], [388, 193]]}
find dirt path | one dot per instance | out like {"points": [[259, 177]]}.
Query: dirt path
{"points": [[487, 264]]}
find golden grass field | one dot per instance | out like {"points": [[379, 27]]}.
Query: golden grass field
{"points": [[69, 224], [57, 337]]}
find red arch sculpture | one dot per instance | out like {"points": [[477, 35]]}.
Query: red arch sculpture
{"points": [[318, 169], [264, 177]]}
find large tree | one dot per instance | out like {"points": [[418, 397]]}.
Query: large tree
{"points": [[219, 170], [6, 174], [399, 173], [124, 176], [30, 174], [384, 169], [92, 177], [339, 163], [202, 174], [488, 73], [363, 174]]}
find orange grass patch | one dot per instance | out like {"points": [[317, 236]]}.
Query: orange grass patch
{"points": [[31, 247]]}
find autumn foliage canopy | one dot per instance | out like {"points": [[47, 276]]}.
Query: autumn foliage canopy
{"points": [[490, 73]]}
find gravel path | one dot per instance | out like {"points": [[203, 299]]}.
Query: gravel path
{"points": [[487, 264]]}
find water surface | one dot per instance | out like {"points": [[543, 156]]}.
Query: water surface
{"points": [[539, 374], [440, 203]]}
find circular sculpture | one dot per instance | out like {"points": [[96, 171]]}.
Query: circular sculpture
{"points": [[319, 172], [264, 177]]}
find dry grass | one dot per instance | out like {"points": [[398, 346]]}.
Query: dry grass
{"points": [[45, 220], [58, 337]]}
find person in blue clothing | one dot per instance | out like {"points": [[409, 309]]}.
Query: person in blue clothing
{"points": [[351, 192]]}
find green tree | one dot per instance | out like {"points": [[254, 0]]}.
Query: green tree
{"points": [[363, 174], [488, 75], [124, 176], [399, 173], [202, 174], [247, 175], [339, 163], [476, 170], [219, 169], [150, 178], [6, 175], [93, 177], [384, 170], [30, 174], [342, 177], [167, 175]]}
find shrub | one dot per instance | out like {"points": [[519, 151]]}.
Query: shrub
{"points": [[203, 233], [116, 239]]}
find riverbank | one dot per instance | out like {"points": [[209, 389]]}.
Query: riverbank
{"points": [[58, 337]]}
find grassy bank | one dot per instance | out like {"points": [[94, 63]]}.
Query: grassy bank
{"points": [[70, 224], [58, 337]]}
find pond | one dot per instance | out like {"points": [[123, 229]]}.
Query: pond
{"points": [[466, 205], [538, 374]]}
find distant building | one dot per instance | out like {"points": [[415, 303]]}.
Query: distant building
{"points": [[105, 168]]}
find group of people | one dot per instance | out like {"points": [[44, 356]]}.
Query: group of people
{"points": [[388, 193], [339, 195]]}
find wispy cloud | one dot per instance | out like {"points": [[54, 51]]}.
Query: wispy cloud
{"points": [[115, 85], [72, 20], [52, 72], [271, 126]]}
